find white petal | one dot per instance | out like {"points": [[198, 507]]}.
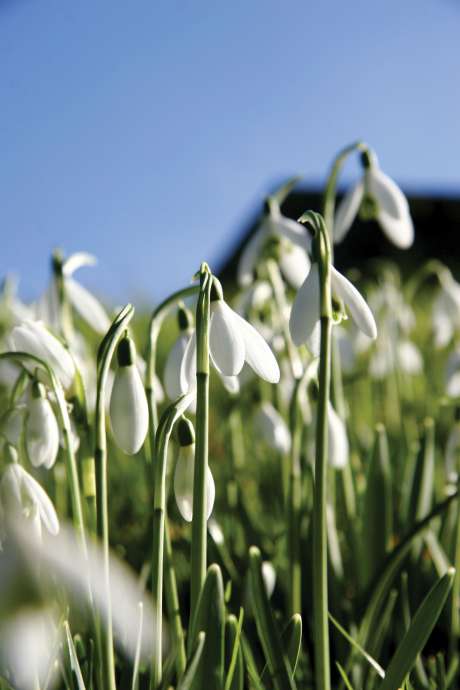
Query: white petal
{"points": [[269, 577], [129, 414], [45, 507], [34, 338], [47, 308], [337, 438], [225, 342], [172, 370], [295, 265], [89, 308], [231, 384], [272, 428], [183, 484], [250, 255], [347, 211], [452, 459], [188, 366], [290, 230], [360, 312], [393, 211], [409, 357], [42, 433], [257, 353], [76, 261], [305, 309]]}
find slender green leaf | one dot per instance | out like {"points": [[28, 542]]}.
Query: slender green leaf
{"points": [[291, 639], [210, 617], [278, 663], [235, 672], [375, 665], [418, 633], [187, 680], [344, 676]]}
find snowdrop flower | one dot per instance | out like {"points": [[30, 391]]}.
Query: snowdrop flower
{"points": [[446, 310], [11, 425], [30, 633], [295, 246], [232, 342], [453, 374], [269, 577], [376, 196], [172, 378], [272, 428], [305, 310], [22, 497], [87, 306], [452, 456], [35, 339], [184, 472], [337, 439], [41, 429], [129, 413]]}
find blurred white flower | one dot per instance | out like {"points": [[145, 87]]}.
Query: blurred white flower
{"points": [[388, 205], [453, 374], [452, 456], [305, 311], [29, 644], [295, 246], [446, 310], [35, 339], [269, 577], [41, 429], [272, 428], [129, 412], [24, 498], [337, 439], [87, 306]]}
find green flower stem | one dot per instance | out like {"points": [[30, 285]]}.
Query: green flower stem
{"points": [[163, 434], [320, 590], [281, 306], [155, 324], [294, 506], [338, 397], [198, 559], [172, 605], [105, 354]]}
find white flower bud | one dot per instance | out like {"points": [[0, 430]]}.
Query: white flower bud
{"points": [[272, 428], [42, 431], [183, 483], [129, 413]]}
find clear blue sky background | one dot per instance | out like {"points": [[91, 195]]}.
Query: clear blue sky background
{"points": [[147, 131]]}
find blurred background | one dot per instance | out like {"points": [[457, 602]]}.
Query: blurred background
{"points": [[148, 133]]}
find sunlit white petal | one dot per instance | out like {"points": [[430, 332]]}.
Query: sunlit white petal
{"points": [[76, 261], [393, 211], [305, 309], [249, 256], [226, 345], [295, 265], [337, 439], [256, 351], [360, 312], [272, 428], [89, 308], [129, 415], [347, 211]]}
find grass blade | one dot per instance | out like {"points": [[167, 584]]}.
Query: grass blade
{"points": [[415, 639]]}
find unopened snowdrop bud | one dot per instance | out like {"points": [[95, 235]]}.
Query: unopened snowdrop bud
{"points": [[42, 431], [22, 497], [184, 472], [272, 428], [172, 378], [337, 439], [129, 414], [35, 339], [269, 577]]}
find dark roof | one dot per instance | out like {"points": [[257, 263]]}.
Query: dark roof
{"points": [[437, 235]]}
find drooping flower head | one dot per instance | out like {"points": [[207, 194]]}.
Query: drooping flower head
{"points": [[41, 429], [376, 196], [232, 342], [184, 473]]}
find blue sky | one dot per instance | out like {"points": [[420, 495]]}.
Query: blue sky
{"points": [[147, 132]]}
